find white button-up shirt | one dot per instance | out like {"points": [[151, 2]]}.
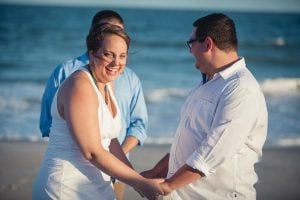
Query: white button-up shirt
{"points": [[222, 129]]}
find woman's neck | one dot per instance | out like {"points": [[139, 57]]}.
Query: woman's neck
{"points": [[98, 83]]}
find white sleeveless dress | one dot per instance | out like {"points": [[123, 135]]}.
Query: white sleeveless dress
{"points": [[65, 173]]}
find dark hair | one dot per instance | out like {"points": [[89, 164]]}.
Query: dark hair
{"points": [[106, 14], [99, 32], [220, 28]]}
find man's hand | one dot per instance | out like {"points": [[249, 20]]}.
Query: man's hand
{"points": [[166, 188], [150, 188]]}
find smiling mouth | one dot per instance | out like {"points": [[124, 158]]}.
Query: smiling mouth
{"points": [[112, 69]]}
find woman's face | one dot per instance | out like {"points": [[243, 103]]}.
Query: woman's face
{"points": [[110, 59]]}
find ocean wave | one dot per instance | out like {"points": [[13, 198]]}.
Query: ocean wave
{"points": [[282, 43], [158, 95], [161, 140], [13, 104], [281, 86], [21, 138], [274, 87], [282, 142], [17, 104], [279, 41], [288, 142], [14, 98]]}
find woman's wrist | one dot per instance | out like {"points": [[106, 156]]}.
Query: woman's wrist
{"points": [[140, 182], [167, 187]]}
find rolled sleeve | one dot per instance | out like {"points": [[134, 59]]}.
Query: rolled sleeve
{"points": [[197, 162], [139, 118], [139, 133]]}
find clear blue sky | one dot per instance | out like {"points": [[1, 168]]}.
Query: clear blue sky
{"points": [[252, 5]]}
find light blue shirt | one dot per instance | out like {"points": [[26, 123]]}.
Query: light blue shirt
{"points": [[128, 92]]}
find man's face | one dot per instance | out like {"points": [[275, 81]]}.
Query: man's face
{"points": [[198, 50]]}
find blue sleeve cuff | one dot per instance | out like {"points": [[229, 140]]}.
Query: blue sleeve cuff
{"points": [[138, 133]]}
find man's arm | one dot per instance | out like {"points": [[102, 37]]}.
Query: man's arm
{"points": [[160, 170], [136, 132], [60, 73], [47, 98], [129, 143], [116, 150], [184, 176], [131, 100]]}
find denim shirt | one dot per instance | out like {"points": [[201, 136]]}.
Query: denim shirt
{"points": [[128, 91]]}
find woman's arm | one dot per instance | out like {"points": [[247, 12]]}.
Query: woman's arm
{"points": [[78, 105]]}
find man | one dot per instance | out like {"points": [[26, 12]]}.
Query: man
{"points": [[128, 93], [223, 122]]}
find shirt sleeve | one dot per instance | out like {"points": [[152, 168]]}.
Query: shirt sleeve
{"points": [[53, 83], [60, 73], [138, 115], [235, 116]]}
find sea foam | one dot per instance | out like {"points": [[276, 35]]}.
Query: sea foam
{"points": [[281, 86]]}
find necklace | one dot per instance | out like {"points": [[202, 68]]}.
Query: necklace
{"points": [[106, 91]]}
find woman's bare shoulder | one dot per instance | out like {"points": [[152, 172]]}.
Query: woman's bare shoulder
{"points": [[77, 83]]}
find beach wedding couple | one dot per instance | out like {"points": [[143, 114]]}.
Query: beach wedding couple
{"points": [[94, 113]]}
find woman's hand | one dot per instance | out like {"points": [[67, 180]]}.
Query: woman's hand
{"points": [[166, 188], [150, 188]]}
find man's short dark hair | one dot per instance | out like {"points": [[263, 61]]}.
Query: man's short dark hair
{"points": [[220, 28], [106, 14]]}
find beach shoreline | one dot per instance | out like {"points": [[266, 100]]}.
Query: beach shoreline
{"points": [[278, 172]]}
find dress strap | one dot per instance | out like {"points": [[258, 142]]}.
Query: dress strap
{"points": [[85, 70]]}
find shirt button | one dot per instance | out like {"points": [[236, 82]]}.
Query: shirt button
{"points": [[234, 195]]}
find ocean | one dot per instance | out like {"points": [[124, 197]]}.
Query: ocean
{"points": [[34, 40]]}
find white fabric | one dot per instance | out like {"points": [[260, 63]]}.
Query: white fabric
{"points": [[221, 132], [65, 173]]}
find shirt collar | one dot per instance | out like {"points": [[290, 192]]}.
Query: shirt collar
{"points": [[233, 68], [84, 57], [228, 71]]}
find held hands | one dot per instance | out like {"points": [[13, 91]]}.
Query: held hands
{"points": [[154, 188], [166, 188], [150, 188], [163, 185]]}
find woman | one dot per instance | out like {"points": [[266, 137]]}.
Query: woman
{"points": [[86, 122]]}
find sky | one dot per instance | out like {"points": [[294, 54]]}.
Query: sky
{"points": [[241, 5]]}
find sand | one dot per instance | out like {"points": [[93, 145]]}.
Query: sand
{"points": [[279, 171]]}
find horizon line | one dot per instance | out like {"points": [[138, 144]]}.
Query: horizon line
{"points": [[158, 7]]}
